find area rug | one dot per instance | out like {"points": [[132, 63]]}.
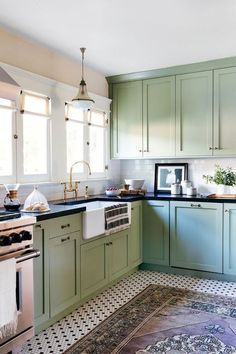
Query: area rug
{"points": [[162, 320]]}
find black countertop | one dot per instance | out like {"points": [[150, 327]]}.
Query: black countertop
{"points": [[57, 210]]}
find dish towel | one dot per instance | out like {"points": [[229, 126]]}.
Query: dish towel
{"points": [[8, 309], [116, 218]]}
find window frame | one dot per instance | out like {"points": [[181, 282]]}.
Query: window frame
{"points": [[21, 177], [87, 124], [6, 179]]}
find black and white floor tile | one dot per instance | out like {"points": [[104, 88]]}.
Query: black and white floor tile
{"points": [[64, 333]]}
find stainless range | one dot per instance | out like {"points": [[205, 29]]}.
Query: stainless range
{"points": [[16, 240]]}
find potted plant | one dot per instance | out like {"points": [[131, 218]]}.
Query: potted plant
{"points": [[223, 178]]}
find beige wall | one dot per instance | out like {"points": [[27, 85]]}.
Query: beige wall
{"points": [[22, 53]]}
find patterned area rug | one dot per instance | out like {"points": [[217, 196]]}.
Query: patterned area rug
{"points": [[162, 320]]}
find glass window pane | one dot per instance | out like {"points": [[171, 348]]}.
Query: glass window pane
{"points": [[7, 103], [6, 134], [97, 118], [96, 149], [36, 104], [35, 144], [75, 137], [74, 113]]}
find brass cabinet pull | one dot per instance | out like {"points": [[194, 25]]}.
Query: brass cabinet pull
{"points": [[65, 239], [210, 148], [65, 226], [226, 211], [140, 150], [216, 148], [107, 244], [110, 243], [195, 205]]}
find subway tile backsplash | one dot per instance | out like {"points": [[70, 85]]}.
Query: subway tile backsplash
{"points": [[196, 168]]}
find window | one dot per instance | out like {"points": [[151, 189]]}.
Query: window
{"points": [[7, 143], [34, 159], [86, 140]]}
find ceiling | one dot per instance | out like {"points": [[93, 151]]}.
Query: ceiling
{"points": [[123, 36]]}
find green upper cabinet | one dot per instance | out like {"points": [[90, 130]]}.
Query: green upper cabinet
{"points": [[194, 114], [196, 236], [159, 117], [229, 238], [225, 112], [127, 120]]}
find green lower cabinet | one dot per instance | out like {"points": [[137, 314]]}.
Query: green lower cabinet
{"points": [[135, 235], [229, 239], [156, 232], [64, 272], [41, 276], [118, 254], [196, 236], [94, 266], [103, 260]]}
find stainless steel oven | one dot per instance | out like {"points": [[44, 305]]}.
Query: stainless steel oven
{"points": [[16, 240]]}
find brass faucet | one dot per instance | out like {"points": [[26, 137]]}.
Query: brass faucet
{"points": [[74, 188]]}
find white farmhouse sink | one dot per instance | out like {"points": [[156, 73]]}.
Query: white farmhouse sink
{"points": [[94, 217]]}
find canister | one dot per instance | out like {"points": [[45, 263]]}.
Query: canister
{"points": [[176, 188]]}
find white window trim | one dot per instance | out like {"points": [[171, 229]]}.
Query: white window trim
{"points": [[59, 94]]}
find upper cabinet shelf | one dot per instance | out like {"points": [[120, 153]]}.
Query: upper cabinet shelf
{"points": [[188, 115]]}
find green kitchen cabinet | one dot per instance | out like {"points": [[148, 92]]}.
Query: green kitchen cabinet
{"points": [[127, 120], [94, 265], [41, 275], [159, 117], [135, 235], [103, 260], [118, 254], [56, 271], [229, 238], [194, 100], [196, 235], [224, 112], [64, 271], [156, 232]]}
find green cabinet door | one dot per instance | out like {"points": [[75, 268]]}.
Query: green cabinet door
{"points": [[94, 265], [224, 112], [64, 272], [41, 276], [118, 254], [135, 235], [127, 120], [194, 114], [156, 232], [229, 238], [196, 235], [159, 117]]}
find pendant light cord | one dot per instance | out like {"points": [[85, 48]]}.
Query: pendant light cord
{"points": [[82, 51]]}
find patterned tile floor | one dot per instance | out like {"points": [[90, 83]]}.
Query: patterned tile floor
{"points": [[64, 333]]}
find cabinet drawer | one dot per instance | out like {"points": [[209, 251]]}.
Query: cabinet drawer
{"points": [[65, 225]]}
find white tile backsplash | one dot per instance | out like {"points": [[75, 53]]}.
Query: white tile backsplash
{"points": [[196, 168], [121, 169]]}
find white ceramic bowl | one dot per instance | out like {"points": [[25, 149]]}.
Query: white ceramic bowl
{"points": [[134, 183], [112, 193]]}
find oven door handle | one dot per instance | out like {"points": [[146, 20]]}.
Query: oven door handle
{"points": [[28, 255]]}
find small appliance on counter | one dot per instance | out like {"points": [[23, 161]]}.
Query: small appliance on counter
{"points": [[11, 201]]}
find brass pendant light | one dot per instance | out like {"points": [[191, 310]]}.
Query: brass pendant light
{"points": [[82, 99]]}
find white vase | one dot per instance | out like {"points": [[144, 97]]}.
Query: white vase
{"points": [[223, 189]]}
